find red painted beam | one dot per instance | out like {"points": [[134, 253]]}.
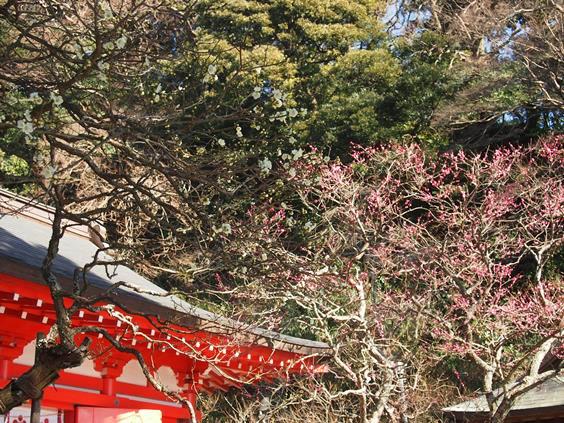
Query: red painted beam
{"points": [[32, 301], [88, 382], [66, 399]]}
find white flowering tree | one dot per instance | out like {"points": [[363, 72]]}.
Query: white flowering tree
{"points": [[124, 112], [132, 113]]}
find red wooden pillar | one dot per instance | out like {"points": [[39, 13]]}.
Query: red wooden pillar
{"points": [[11, 347], [108, 383], [4, 363], [111, 367], [69, 416]]}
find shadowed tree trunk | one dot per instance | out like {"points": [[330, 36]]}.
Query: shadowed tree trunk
{"points": [[50, 360]]}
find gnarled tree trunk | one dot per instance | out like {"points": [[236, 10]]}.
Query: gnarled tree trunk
{"points": [[50, 360]]}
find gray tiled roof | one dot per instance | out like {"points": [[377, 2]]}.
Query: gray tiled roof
{"points": [[548, 394], [25, 234]]}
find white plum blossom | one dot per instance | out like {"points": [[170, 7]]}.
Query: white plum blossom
{"points": [[309, 226], [277, 94], [27, 115], [257, 92], [39, 156], [292, 140], [292, 172], [121, 42], [212, 69], [25, 126], [226, 228], [107, 10], [78, 51], [221, 142], [281, 116], [278, 98], [239, 131], [297, 153], [292, 113], [265, 165], [56, 99], [35, 98], [48, 171], [210, 78]]}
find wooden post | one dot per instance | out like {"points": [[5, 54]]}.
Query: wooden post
{"points": [[36, 402], [4, 369], [108, 385]]}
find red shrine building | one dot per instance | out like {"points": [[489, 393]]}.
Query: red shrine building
{"points": [[190, 350]]}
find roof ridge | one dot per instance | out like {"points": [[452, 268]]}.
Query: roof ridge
{"points": [[35, 209]]}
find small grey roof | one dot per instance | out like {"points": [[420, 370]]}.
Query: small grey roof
{"points": [[25, 232], [548, 394]]}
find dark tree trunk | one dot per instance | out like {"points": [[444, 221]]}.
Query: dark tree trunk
{"points": [[50, 360], [502, 411], [36, 402]]}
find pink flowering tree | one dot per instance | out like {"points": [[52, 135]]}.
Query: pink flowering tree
{"points": [[407, 264]]}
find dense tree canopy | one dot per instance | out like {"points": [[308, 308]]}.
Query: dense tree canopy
{"points": [[507, 62], [425, 274]]}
